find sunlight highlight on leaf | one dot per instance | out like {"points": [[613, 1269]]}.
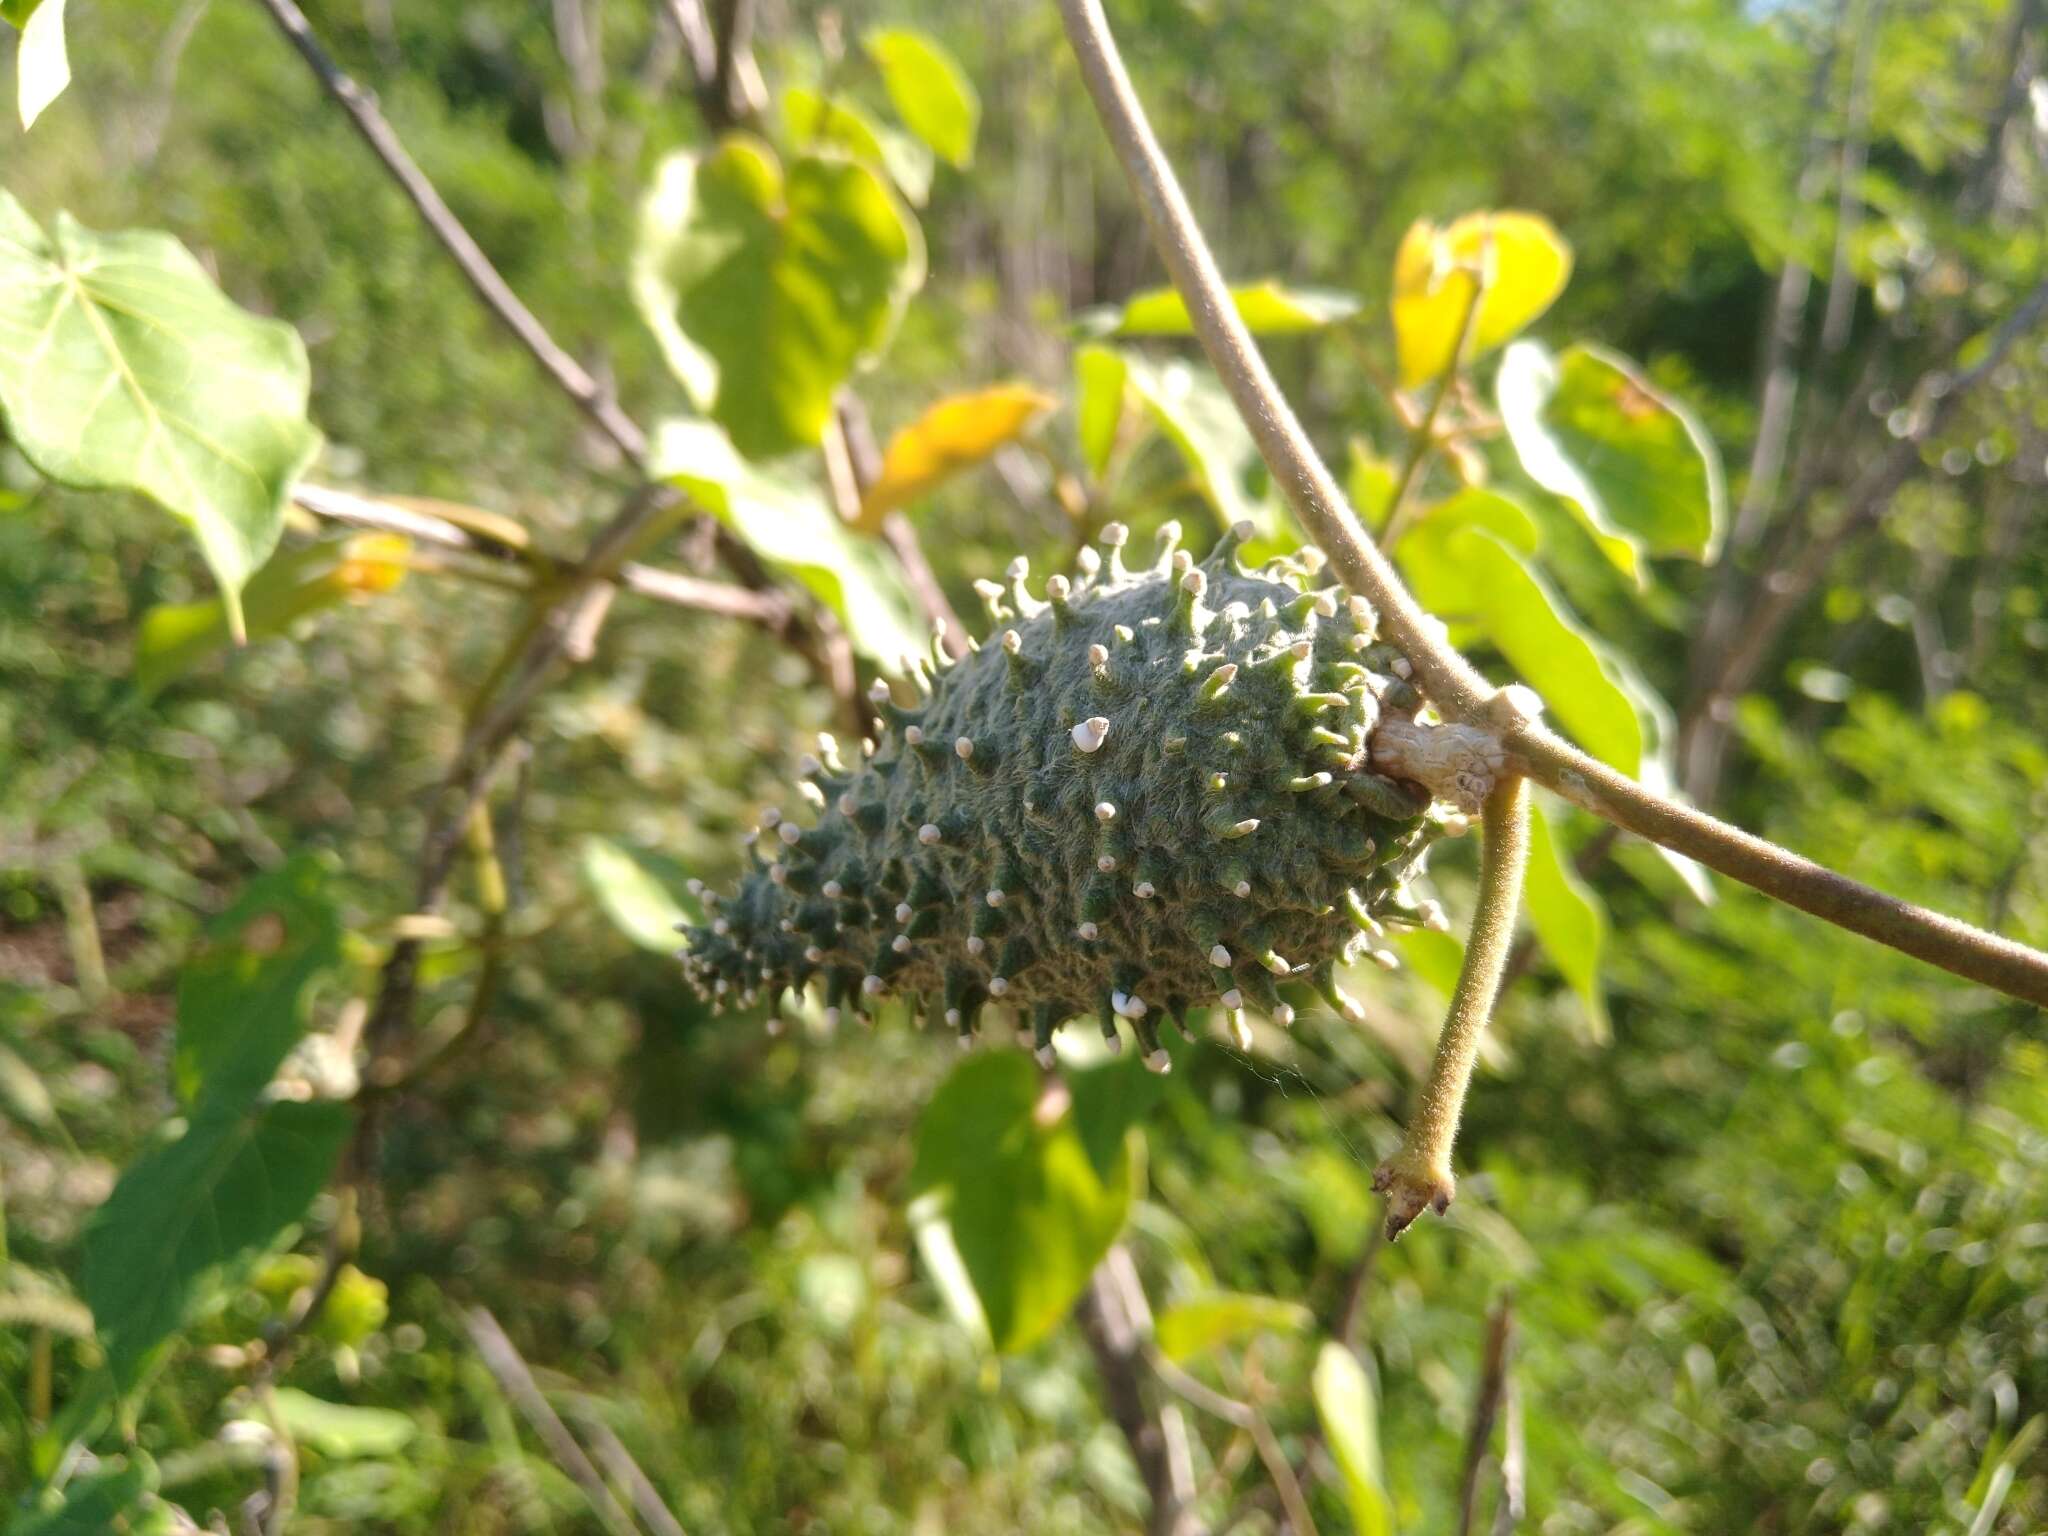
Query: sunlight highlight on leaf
{"points": [[1519, 261], [952, 435]]}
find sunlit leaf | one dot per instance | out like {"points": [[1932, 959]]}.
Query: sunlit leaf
{"points": [[1345, 1403], [1268, 308], [1202, 1323], [1030, 1215], [815, 122], [1519, 262], [1500, 515], [642, 901], [173, 638], [1635, 465], [1435, 957], [953, 434], [340, 1430], [785, 521], [1192, 409], [767, 289], [42, 67], [1568, 918], [1100, 375], [122, 366], [929, 91], [1465, 574]]}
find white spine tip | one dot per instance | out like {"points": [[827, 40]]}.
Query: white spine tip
{"points": [[694, 886], [1183, 562], [976, 943], [903, 912], [813, 954], [832, 890], [914, 734], [1106, 863], [771, 818], [1326, 606], [1017, 569], [1144, 890], [879, 693], [1194, 583], [1098, 656], [1114, 534], [1401, 666], [966, 1042], [831, 1018], [1115, 1044], [1242, 889], [1088, 931], [1301, 650], [784, 925], [998, 985], [1242, 530], [1012, 641], [953, 1017], [1045, 1057], [963, 748], [928, 834], [1104, 811], [721, 927], [777, 874], [1158, 1061], [1233, 999], [1386, 959], [995, 897], [901, 943], [1283, 1015], [871, 985], [809, 766], [1089, 561], [845, 804], [789, 832], [1433, 918], [1353, 1013], [1219, 957], [1090, 734]]}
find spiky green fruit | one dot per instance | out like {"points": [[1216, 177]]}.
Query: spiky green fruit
{"points": [[1151, 793]]}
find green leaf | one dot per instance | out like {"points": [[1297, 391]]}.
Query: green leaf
{"points": [[1029, 1214], [1350, 1418], [1195, 413], [635, 896], [120, 1501], [123, 367], [1110, 1099], [814, 121], [341, 1431], [1568, 919], [188, 1216], [1370, 481], [1517, 260], [929, 91], [1201, 1323], [173, 638], [1465, 574], [43, 68], [1638, 467], [1436, 957], [1268, 308], [785, 521], [242, 999], [767, 289], [1100, 375]]}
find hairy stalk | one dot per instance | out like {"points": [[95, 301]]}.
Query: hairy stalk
{"points": [[1451, 682], [1418, 1177]]}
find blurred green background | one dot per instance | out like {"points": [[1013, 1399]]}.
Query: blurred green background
{"points": [[1776, 1234]]}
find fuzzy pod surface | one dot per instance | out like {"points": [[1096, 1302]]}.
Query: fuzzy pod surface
{"points": [[1150, 791]]}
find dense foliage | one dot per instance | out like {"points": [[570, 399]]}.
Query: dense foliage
{"points": [[1764, 1208]]}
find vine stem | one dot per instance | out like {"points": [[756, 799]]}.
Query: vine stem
{"points": [[1451, 682], [1418, 1177]]}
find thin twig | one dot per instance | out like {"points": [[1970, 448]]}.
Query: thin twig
{"points": [[768, 607], [619, 1462], [1493, 1379], [497, 295], [1422, 440], [1116, 1337], [516, 1380], [1457, 690], [1247, 1418]]}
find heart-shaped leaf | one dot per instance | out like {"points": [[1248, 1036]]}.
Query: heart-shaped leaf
{"points": [[637, 895], [123, 367], [814, 121], [1637, 467], [1519, 262], [767, 289], [1029, 1213], [929, 91], [42, 66], [953, 434]]}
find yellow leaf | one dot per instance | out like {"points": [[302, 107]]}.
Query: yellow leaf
{"points": [[953, 434], [1519, 262]]}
